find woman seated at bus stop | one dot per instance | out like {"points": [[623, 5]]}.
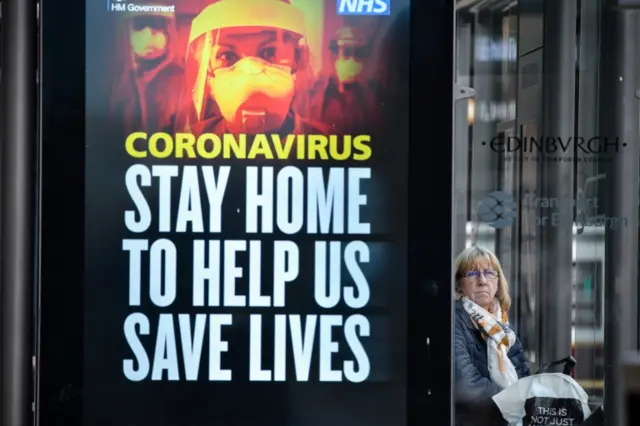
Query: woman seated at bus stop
{"points": [[488, 355]]}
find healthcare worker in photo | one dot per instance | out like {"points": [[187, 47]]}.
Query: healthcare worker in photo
{"points": [[346, 97], [245, 64], [148, 78]]}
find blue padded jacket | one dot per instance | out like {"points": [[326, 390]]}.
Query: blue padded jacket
{"points": [[472, 381]]}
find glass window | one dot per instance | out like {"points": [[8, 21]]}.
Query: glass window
{"points": [[539, 168]]}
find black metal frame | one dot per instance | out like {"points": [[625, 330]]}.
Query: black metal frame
{"points": [[619, 112], [17, 198], [61, 208], [430, 177], [431, 165]]}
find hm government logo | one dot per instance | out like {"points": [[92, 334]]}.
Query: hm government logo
{"points": [[498, 209], [123, 6], [363, 7]]}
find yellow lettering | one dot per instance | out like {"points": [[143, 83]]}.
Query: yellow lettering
{"points": [[129, 145], [318, 145], [185, 142], [260, 146], [300, 147], [362, 148], [202, 146], [334, 148], [267, 146], [155, 145], [238, 146], [283, 151]]}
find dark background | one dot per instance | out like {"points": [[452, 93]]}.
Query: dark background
{"points": [[82, 312]]}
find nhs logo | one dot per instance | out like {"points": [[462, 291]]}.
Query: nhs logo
{"points": [[364, 7]]}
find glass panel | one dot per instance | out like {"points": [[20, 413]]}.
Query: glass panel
{"points": [[538, 179]]}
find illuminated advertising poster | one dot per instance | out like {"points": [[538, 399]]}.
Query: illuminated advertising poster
{"points": [[246, 242]]}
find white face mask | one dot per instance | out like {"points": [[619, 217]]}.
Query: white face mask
{"points": [[348, 70], [148, 43], [254, 96]]}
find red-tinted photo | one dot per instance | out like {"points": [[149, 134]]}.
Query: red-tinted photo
{"points": [[234, 66]]}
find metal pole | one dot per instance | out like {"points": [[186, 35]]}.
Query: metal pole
{"points": [[557, 176], [619, 109], [17, 203], [484, 83], [461, 134]]}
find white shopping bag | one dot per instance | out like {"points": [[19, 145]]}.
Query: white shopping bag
{"points": [[503, 377], [546, 399]]}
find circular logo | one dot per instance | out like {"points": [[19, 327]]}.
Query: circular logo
{"points": [[498, 209]]}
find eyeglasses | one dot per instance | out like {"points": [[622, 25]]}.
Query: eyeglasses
{"points": [[488, 274]]}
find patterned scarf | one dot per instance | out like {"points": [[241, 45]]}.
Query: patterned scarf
{"points": [[499, 340]]}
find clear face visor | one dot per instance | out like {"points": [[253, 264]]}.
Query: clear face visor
{"points": [[244, 76]]}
